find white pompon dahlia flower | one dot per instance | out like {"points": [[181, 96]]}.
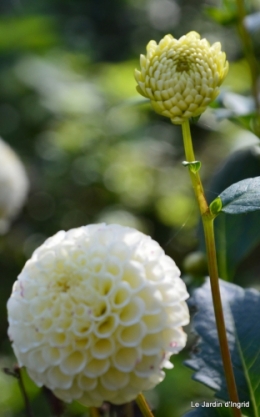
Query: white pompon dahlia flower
{"points": [[96, 314], [14, 186], [181, 76]]}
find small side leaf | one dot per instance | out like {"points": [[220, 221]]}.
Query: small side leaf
{"points": [[242, 311], [216, 206], [193, 166], [236, 236], [195, 119], [241, 197]]}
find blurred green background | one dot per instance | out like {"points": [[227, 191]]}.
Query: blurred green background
{"points": [[69, 108]]}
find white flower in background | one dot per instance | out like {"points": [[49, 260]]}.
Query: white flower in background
{"points": [[13, 186], [96, 314]]}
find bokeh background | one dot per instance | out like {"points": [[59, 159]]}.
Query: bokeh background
{"points": [[95, 152]]}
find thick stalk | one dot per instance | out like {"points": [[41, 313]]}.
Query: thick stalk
{"points": [[207, 220], [222, 336], [144, 407], [194, 176]]}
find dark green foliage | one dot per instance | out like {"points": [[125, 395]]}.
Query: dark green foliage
{"points": [[241, 197], [237, 235], [241, 311]]}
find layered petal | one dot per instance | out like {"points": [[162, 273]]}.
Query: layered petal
{"points": [[181, 77], [96, 314]]}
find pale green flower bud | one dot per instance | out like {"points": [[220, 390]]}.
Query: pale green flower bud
{"points": [[96, 314], [181, 76]]}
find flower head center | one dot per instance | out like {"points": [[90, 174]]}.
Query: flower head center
{"points": [[182, 65], [65, 283], [62, 284]]}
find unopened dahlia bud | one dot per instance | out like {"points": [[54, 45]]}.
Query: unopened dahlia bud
{"points": [[96, 314], [181, 76], [14, 186]]}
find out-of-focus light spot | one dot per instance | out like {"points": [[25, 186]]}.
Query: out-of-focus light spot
{"points": [[164, 14], [61, 89], [177, 210], [124, 218]]}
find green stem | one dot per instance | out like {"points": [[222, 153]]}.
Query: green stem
{"points": [[208, 225], [195, 178], [207, 220], [16, 372], [144, 407]]}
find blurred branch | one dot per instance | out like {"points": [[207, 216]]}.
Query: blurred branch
{"points": [[57, 406], [250, 56], [16, 373]]}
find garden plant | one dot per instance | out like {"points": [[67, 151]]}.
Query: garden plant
{"points": [[99, 309]]}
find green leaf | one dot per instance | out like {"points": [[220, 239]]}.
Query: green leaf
{"points": [[195, 119], [243, 332], [238, 108], [221, 16], [236, 236], [193, 166], [241, 197], [216, 206]]}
